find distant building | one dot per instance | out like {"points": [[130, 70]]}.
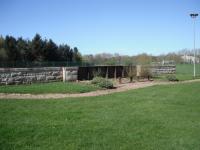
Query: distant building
{"points": [[190, 59]]}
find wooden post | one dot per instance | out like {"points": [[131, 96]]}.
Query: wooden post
{"points": [[99, 71], [64, 73], [107, 73], [122, 72], [88, 74], [115, 74]]}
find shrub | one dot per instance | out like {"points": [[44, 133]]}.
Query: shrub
{"points": [[131, 72], [97, 73], [102, 82], [146, 72], [172, 78]]}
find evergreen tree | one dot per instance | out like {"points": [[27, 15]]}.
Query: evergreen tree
{"points": [[36, 48], [3, 54], [23, 48], [76, 55], [11, 49], [50, 51]]}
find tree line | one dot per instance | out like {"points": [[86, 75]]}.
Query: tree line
{"points": [[144, 58], [36, 50], [45, 50], [117, 59]]}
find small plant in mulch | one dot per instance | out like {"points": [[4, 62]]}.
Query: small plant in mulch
{"points": [[172, 78], [102, 82]]}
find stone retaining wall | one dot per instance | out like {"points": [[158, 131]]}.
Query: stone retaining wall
{"points": [[9, 76]]}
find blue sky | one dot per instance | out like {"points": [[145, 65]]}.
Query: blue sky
{"points": [[111, 26]]}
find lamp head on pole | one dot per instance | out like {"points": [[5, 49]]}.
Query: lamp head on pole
{"points": [[194, 15]]}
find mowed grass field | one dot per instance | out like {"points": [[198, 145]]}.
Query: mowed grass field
{"points": [[54, 87], [164, 117], [185, 71]]}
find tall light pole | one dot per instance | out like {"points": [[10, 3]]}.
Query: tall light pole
{"points": [[194, 15]]}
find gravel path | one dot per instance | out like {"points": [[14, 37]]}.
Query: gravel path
{"points": [[120, 88]]}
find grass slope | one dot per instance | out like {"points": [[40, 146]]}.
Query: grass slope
{"points": [[160, 117], [54, 87]]}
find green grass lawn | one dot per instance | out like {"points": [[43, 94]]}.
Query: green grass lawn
{"points": [[185, 71], [54, 87], [164, 117]]}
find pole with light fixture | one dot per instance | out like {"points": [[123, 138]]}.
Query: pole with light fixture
{"points": [[194, 15]]}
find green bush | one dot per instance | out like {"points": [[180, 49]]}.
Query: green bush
{"points": [[172, 78], [131, 72], [146, 72], [102, 82]]}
